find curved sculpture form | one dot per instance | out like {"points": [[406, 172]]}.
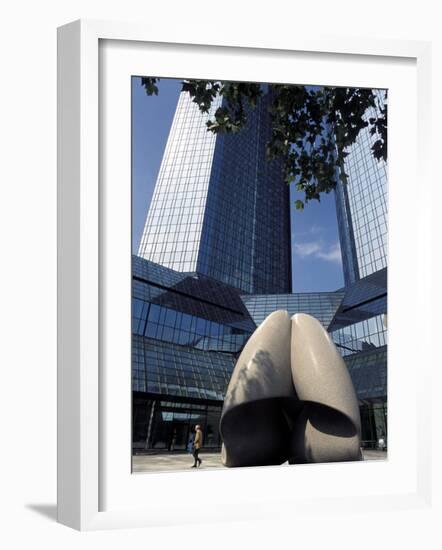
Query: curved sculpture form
{"points": [[290, 397], [253, 424], [329, 426]]}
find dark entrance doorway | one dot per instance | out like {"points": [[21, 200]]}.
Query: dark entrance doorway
{"points": [[161, 425]]}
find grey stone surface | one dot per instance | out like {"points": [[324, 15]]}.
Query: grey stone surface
{"points": [[290, 397], [329, 426], [253, 424], [172, 462]]}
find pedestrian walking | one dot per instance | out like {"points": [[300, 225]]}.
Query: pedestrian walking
{"points": [[197, 444]]}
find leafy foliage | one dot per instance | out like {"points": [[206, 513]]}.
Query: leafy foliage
{"points": [[312, 127]]}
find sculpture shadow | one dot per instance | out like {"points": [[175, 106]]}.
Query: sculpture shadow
{"points": [[269, 432], [328, 420], [258, 433], [254, 425], [323, 434]]}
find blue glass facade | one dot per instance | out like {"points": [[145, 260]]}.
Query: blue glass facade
{"points": [[187, 330], [359, 331], [219, 207], [350, 266], [172, 231], [246, 230], [361, 205], [322, 305], [358, 327], [176, 371], [368, 371], [362, 300], [188, 309]]}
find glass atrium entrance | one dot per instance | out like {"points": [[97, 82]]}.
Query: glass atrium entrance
{"points": [[166, 426], [373, 423], [161, 424]]}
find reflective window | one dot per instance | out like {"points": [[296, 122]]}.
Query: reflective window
{"points": [[219, 206], [362, 206]]}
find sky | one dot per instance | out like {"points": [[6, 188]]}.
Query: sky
{"points": [[316, 256]]}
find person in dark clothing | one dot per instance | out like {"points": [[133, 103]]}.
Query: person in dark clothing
{"points": [[190, 444], [197, 444]]}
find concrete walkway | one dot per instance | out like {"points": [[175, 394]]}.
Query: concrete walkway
{"points": [[169, 462]]}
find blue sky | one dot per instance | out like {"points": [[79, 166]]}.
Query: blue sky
{"points": [[316, 257]]}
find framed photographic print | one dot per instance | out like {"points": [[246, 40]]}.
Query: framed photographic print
{"points": [[227, 216]]}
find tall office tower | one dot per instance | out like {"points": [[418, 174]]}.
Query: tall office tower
{"points": [[220, 208], [361, 206]]}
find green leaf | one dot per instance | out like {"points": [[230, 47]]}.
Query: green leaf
{"points": [[311, 132]]}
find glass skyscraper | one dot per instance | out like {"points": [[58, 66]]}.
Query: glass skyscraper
{"points": [[359, 328], [219, 207], [172, 233], [361, 205]]}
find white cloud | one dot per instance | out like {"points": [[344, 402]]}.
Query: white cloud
{"points": [[331, 255], [312, 230], [315, 229], [318, 250], [307, 249]]}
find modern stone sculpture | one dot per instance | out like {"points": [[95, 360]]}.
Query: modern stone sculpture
{"points": [[290, 397], [329, 426], [253, 425]]}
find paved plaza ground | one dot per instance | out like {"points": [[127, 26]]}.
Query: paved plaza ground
{"points": [[169, 461]]}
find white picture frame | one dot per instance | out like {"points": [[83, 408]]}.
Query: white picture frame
{"points": [[86, 459]]}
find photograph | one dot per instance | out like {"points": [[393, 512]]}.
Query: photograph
{"points": [[222, 226], [259, 274]]}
